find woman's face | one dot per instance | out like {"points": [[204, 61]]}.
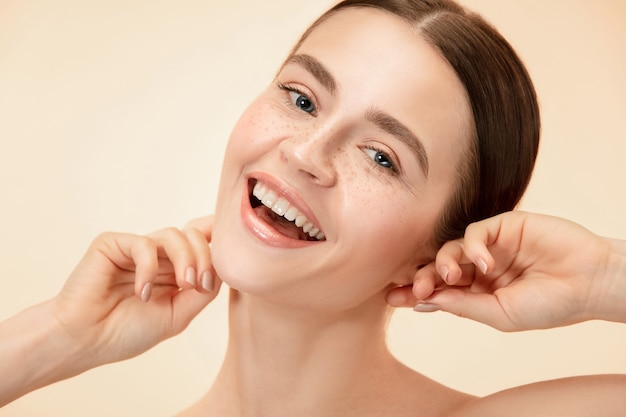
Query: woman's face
{"points": [[355, 146]]}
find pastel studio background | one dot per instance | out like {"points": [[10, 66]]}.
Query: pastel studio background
{"points": [[114, 116]]}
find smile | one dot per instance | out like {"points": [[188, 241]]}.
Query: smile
{"points": [[276, 210]]}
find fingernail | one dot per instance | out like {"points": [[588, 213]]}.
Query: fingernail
{"points": [[426, 307], [190, 276], [146, 292], [208, 281], [482, 265], [443, 272]]}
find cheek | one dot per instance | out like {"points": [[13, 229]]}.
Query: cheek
{"points": [[397, 223], [393, 228], [259, 129], [249, 130]]}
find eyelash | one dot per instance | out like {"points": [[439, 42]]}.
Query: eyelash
{"points": [[392, 170], [291, 89]]}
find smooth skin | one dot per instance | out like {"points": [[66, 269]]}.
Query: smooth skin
{"points": [[312, 343], [127, 294], [81, 327], [307, 323], [520, 271]]}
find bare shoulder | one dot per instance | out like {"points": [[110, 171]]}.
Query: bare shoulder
{"points": [[588, 396]]}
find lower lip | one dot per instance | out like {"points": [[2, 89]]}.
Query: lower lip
{"points": [[265, 232]]}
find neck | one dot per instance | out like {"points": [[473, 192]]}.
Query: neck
{"points": [[285, 361]]}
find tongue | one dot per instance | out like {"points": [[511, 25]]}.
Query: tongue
{"points": [[281, 224]]}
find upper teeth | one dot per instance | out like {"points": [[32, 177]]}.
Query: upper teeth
{"points": [[283, 208]]}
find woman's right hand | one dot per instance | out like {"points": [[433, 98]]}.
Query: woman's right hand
{"points": [[130, 292]]}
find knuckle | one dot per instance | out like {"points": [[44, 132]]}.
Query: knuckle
{"points": [[144, 242], [106, 236], [105, 241], [170, 232], [471, 228], [202, 224], [192, 232]]}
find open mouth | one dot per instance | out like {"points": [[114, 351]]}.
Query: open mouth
{"points": [[281, 214]]}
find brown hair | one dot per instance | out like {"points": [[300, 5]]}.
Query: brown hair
{"points": [[504, 146]]}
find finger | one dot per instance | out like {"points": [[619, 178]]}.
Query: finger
{"points": [[469, 274], [143, 252], [425, 281], [449, 260], [480, 236], [173, 246], [200, 246], [133, 259], [187, 304], [454, 256], [481, 307], [401, 297], [204, 224]]}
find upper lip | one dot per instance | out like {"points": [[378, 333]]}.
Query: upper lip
{"points": [[287, 192]]}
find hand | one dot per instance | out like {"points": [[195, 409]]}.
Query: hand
{"points": [[130, 292], [520, 271]]}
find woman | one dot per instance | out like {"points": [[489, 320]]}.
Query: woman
{"points": [[339, 184]]}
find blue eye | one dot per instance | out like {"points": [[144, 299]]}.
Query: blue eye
{"points": [[301, 101], [298, 98], [380, 158]]}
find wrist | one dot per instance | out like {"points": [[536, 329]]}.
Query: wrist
{"points": [[36, 351], [612, 304]]}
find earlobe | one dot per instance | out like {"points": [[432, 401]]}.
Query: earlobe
{"points": [[406, 279], [403, 281], [418, 263]]}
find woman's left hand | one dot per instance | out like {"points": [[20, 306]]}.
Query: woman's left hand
{"points": [[520, 271]]}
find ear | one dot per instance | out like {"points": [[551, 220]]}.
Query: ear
{"points": [[407, 278]]}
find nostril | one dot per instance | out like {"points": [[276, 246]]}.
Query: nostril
{"points": [[311, 176], [308, 158]]}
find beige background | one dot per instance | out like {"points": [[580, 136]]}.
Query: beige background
{"points": [[114, 115]]}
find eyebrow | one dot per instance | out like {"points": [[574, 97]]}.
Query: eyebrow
{"points": [[381, 119], [321, 74], [394, 127]]}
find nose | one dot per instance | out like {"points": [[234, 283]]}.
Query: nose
{"points": [[311, 156]]}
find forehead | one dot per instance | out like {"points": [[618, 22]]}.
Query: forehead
{"points": [[379, 60]]}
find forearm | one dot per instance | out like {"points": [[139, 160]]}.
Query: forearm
{"points": [[34, 352]]}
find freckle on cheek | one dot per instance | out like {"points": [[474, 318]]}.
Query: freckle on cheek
{"points": [[350, 174]]}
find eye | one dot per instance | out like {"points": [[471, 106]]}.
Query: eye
{"points": [[299, 99], [380, 158], [302, 102]]}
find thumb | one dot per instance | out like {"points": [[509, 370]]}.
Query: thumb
{"points": [[204, 224], [480, 307], [187, 304]]}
